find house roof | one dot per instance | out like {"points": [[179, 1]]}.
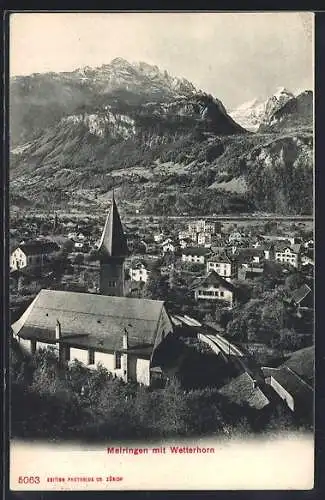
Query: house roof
{"points": [[113, 241], [90, 320], [241, 390], [220, 257], [302, 362], [196, 251], [292, 383], [280, 246], [39, 247], [244, 254], [298, 295], [212, 278]]}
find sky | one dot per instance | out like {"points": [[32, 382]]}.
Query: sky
{"points": [[234, 56]]}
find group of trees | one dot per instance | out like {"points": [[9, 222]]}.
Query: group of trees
{"points": [[265, 317], [73, 402]]}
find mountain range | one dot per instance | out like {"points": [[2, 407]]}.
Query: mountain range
{"points": [[165, 146]]}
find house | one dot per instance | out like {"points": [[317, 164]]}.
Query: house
{"points": [[72, 236], [286, 254], [139, 272], [221, 264], [158, 237], [244, 390], [309, 244], [168, 246], [204, 239], [301, 299], [291, 388], [214, 287], [213, 227], [250, 272], [268, 249], [195, 255], [183, 235], [276, 239], [33, 255], [196, 226], [235, 236], [120, 333], [247, 256], [184, 243]]}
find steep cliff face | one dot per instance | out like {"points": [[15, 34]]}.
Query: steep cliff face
{"points": [[280, 174], [297, 112]]}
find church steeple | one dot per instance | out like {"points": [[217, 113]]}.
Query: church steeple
{"points": [[112, 251], [113, 241]]}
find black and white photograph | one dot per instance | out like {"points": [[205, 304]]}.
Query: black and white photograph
{"points": [[161, 260]]}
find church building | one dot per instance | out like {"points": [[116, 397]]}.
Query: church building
{"points": [[112, 252], [120, 333]]}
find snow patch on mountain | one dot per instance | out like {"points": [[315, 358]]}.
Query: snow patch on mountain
{"points": [[253, 113]]}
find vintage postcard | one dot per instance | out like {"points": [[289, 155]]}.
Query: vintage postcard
{"points": [[161, 239]]}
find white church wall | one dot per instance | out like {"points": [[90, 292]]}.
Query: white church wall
{"points": [[143, 371]]}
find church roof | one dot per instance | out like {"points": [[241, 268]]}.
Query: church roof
{"points": [[91, 321], [113, 241]]}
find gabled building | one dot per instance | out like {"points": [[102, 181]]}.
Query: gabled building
{"points": [[204, 239], [222, 264], [246, 257], [120, 333], [195, 255], [139, 272], [214, 288], [301, 300], [286, 254], [33, 255], [168, 246], [291, 388], [244, 390]]}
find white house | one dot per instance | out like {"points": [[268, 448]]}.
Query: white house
{"points": [[195, 255], [168, 246], [197, 226], [139, 272], [183, 235], [221, 264], [214, 287], [33, 255], [204, 239], [285, 254], [158, 237], [120, 333]]}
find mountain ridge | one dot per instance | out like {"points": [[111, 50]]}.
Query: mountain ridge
{"points": [[169, 151]]}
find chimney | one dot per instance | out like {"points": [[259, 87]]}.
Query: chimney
{"points": [[125, 341], [57, 330], [254, 384]]}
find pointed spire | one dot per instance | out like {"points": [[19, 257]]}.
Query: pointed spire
{"points": [[113, 241]]}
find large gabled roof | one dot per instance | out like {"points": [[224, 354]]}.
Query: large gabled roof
{"points": [[212, 279], [242, 390], [196, 251], [90, 320], [301, 293], [39, 247], [113, 242], [292, 383], [302, 362]]}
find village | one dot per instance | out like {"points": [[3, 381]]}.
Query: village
{"points": [[227, 305]]}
